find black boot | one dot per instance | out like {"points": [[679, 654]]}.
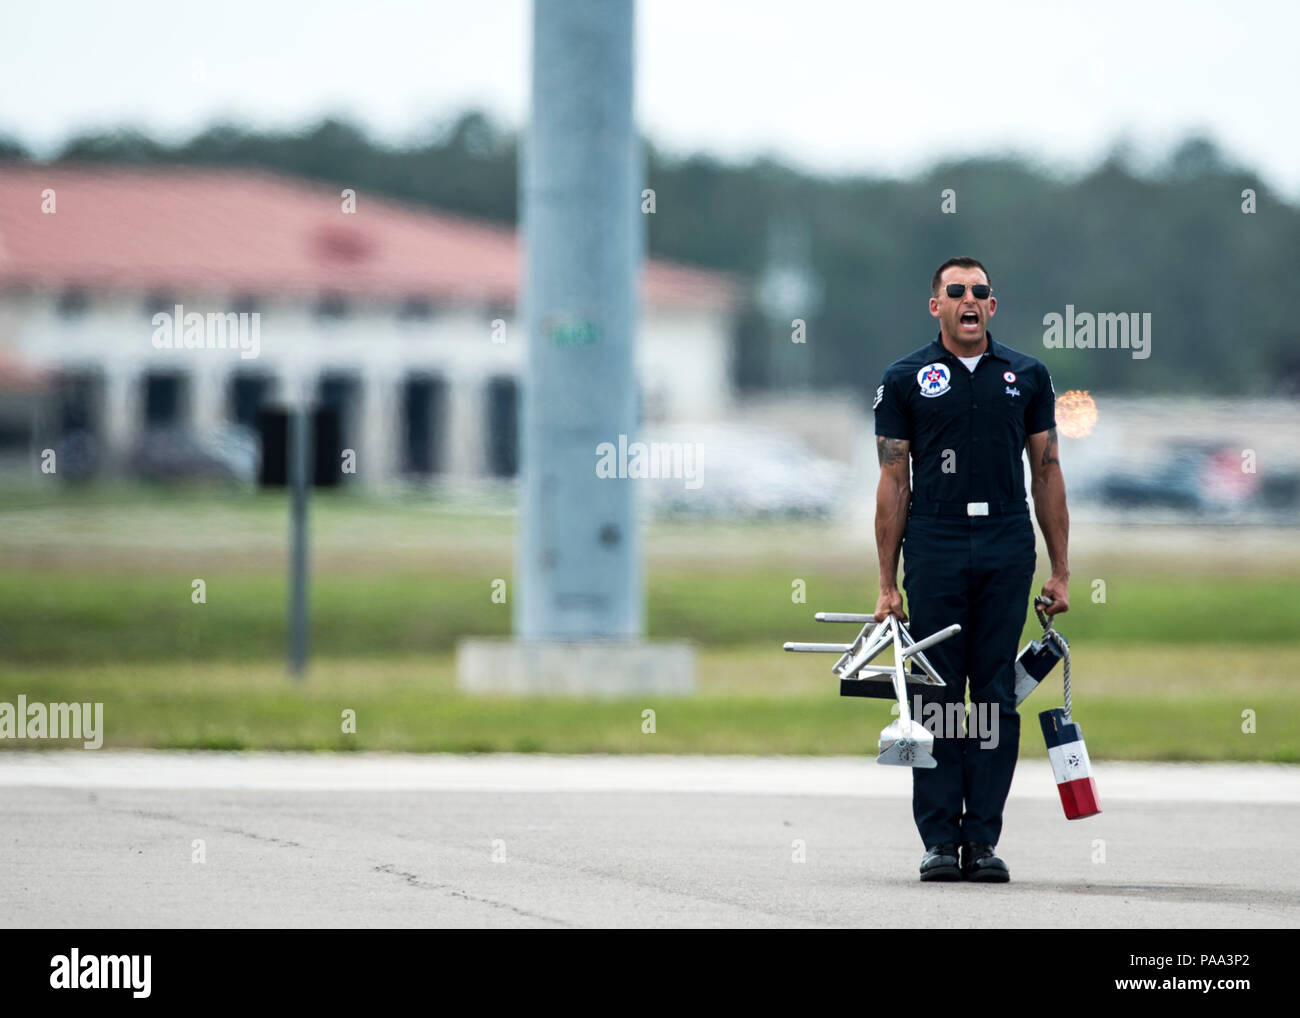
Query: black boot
{"points": [[940, 863], [979, 863]]}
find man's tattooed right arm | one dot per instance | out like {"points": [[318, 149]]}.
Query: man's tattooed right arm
{"points": [[891, 450], [893, 494]]}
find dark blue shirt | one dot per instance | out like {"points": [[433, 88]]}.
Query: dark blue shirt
{"points": [[967, 429]]}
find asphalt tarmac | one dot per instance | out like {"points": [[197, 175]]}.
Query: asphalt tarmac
{"points": [[153, 839]]}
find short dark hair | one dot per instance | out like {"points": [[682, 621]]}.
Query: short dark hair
{"points": [[963, 263]]}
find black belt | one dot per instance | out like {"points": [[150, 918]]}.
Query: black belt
{"points": [[965, 509]]}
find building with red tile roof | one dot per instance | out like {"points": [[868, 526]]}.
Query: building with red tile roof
{"points": [[399, 317], [254, 232]]}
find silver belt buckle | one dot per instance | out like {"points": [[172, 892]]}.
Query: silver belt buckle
{"points": [[977, 508]]}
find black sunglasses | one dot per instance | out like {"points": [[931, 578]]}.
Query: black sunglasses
{"points": [[978, 290]]}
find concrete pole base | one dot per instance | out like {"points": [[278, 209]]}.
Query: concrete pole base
{"points": [[603, 669]]}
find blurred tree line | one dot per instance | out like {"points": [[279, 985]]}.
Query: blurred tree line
{"points": [[1172, 241]]}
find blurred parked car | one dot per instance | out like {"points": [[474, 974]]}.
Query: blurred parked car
{"points": [[1187, 475], [227, 454]]}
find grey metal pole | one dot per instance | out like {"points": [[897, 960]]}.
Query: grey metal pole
{"points": [[579, 550], [299, 478]]}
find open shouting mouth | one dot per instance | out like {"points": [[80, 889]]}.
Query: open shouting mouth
{"points": [[970, 321]]}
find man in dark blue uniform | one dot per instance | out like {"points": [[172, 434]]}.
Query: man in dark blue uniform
{"points": [[966, 408]]}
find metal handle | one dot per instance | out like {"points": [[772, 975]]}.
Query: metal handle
{"points": [[1050, 635], [931, 640]]}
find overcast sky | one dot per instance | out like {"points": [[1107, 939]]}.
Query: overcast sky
{"points": [[826, 84]]}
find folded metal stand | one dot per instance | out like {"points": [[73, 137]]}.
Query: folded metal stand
{"points": [[904, 742]]}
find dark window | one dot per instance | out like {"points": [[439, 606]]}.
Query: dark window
{"points": [[163, 396], [339, 391], [339, 396], [415, 309], [425, 401], [503, 427], [73, 303], [79, 394], [247, 394], [332, 306]]}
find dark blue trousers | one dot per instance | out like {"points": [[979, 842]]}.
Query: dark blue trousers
{"points": [[976, 571]]}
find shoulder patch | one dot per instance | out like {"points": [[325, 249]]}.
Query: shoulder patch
{"points": [[934, 379], [880, 394]]}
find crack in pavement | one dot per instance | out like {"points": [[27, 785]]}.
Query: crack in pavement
{"points": [[416, 881], [149, 814]]}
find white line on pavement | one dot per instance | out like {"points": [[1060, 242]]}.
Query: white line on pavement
{"points": [[510, 772]]}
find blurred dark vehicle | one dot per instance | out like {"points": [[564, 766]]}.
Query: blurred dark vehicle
{"points": [[1280, 490], [1188, 475]]}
